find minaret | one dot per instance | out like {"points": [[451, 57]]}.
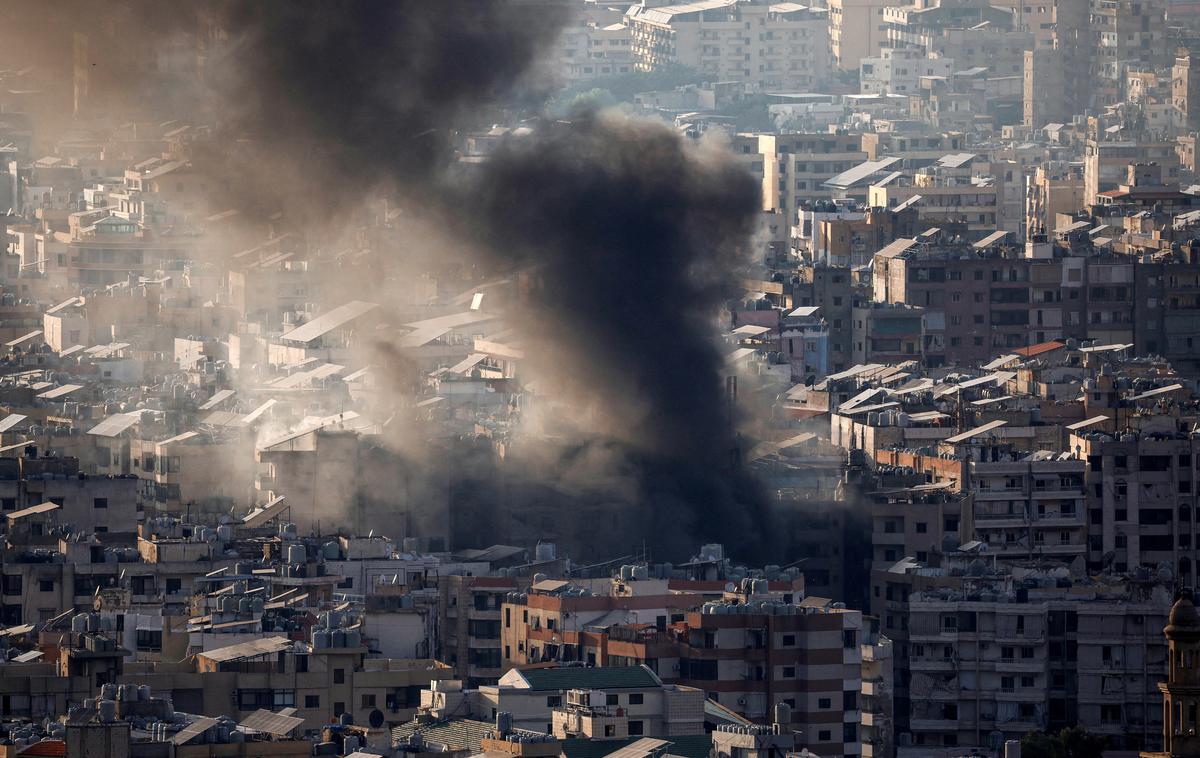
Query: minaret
{"points": [[1181, 691]]}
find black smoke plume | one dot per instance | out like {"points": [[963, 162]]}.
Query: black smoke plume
{"points": [[633, 238], [630, 237]]}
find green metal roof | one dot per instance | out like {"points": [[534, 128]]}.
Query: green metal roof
{"points": [[457, 734], [597, 678], [687, 745]]}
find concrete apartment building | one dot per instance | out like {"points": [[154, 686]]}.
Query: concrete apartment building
{"points": [[796, 166], [981, 648], [876, 704], [1106, 164], [956, 192], [898, 71], [991, 300], [1053, 188], [595, 49], [1057, 72], [540, 699], [1141, 499], [913, 520], [470, 640], [238, 679], [1030, 508], [856, 30], [808, 657], [981, 665], [769, 47], [1185, 91], [1128, 34], [1167, 317]]}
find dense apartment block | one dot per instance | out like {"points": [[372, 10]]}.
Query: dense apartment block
{"points": [[781, 47]]}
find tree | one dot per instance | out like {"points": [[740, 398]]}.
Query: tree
{"points": [[1072, 742]]}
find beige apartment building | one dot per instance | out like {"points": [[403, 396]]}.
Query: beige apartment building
{"points": [[770, 47], [796, 167], [947, 194], [469, 610], [857, 30]]}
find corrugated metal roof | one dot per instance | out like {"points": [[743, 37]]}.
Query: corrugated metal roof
{"points": [[329, 321], [599, 678], [1086, 423], [977, 431], [860, 173], [62, 391], [25, 338], [193, 730], [217, 399], [33, 510], [10, 421], [115, 424], [277, 724], [990, 240], [252, 649], [262, 515]]}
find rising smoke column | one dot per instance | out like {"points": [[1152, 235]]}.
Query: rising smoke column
{"points": [[633, 239], [633, 236]]}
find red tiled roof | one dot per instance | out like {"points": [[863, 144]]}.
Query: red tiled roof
{"points": [[1038, 349], [56, 748], [493, 581]]}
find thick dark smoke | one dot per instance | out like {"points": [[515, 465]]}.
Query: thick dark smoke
{"points": [[633, 238], [630, 237], [372, 89]]}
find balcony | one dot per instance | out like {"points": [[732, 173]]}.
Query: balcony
{"points": [[933, 725], [871, 687], [1001, 520], [931, 664], [887, 538], [1021, 665]]}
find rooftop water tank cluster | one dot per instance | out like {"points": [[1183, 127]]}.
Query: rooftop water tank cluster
{"points": [[636, 572], [92, 622], [295, 557], [333, 630], [212, 534]]}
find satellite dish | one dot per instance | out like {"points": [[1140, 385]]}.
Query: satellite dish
{"points": [[375, 719]]}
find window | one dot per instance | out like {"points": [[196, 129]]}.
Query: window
{"points": [[789, 672], [922, 527], [339, 676], [554, 701], [45, 585], [149, 639], [824, 735], [610, 730], [825, 703], [100, 502], [636, 728], [368, 701], [339, 708], [636, 698], [789, 640], [612, 700], [850, 700], [312, 701]]}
